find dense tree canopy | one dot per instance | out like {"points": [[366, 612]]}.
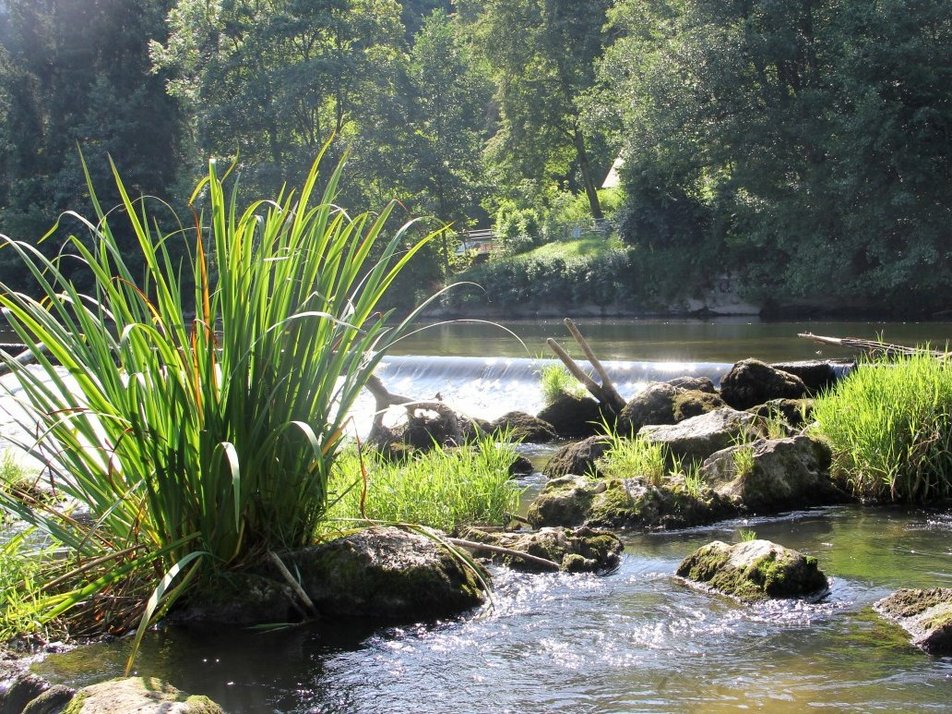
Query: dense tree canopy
{"points": [[803, 146]]}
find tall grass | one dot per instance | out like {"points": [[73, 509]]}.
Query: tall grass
{"points": [[636, 458], [443, 488], [890, 427], [200, 424], [556, 381]]}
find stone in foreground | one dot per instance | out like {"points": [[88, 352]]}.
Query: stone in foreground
{"points": [[755, 570], [144, 695], [925, 614], [574, 550]]}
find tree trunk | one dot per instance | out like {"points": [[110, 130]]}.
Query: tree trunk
{"points": [[585, 168]]}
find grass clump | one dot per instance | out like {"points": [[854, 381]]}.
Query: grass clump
{"points": [[636, 458], [889, 424], [443, 488], [556, 381], [210, 397], [743, 457], [21, 571]]}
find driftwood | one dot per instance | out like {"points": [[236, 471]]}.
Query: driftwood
{"points": [[477, 547], [873, 347], [385, 399], [605, 393]]}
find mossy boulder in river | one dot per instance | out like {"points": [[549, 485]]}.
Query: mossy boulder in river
{"points": [[578, 458], [572, 549], [625, 503], [653, 405], [525, 427], [138, 694], [925, 614], [751, 382], [573, 416], [773, 475], [697, 438], [755, 570]]}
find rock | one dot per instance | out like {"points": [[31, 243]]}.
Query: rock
{"points": [[751, 382], [575, 550], [694, 384], [240, 599], [572, 416], [52, 701], [385, 573], [18, 687], [525, 427], [473, 428], [815, 374], [578, 457], [755, 570], [653, 405], [779, 475], [624, 503], [422, 430], [795, 413], [925, 614], [143, 695], [693, 402], [563, 501], [521, 467], [697, 438]]}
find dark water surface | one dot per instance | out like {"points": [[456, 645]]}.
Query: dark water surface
{"points": [[636, 640]]}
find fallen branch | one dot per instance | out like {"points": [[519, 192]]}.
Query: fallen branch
{"points": [[476, 546], [872, 346], [605, 393]]}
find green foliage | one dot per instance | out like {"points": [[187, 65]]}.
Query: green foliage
{"points": [[210, 434], [743, 457], [890, 427], [745, 535], [556, 381], [443, 488], [20, 572], [636, 458], [693, 480]]}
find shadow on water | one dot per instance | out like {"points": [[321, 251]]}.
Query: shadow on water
{"points": [[639, 639]]}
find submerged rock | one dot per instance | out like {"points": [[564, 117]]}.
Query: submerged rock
{"points": [[624, 503], [755, 570], [573, 550], [525, 427], [697, 438], [578, 458], [144, 695], [751, 382], [925, 614], [776, 475], [19, 687], [572, 416]]}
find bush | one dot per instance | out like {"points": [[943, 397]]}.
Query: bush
{"points": [[890, 428]]}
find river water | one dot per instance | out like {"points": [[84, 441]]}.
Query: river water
{"points": [[636, 640]]}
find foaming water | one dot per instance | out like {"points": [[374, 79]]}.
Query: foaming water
{"points": [[639, 639]]}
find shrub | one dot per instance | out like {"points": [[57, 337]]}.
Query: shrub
{"points": [[890, 428], [443, 488], [202, 429]]}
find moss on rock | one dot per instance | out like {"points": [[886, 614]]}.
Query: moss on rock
{"points": [[925, 614]]}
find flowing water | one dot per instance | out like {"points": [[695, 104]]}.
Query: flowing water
{"points": [[638, 639]]}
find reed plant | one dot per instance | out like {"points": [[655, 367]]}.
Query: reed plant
{"points": [[889, 424], [445, 488], [199, 408], [637, 458]]}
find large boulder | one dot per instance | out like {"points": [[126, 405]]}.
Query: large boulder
{"points": [[143, 695], [525, 427], [755, 570], [386, 573], [695, 402], [925, 614], [768, 476], [578, 457], [653, 405], [816, 374], [572, 416], [697, 438], [751, 382], [624, 503], [694, 384], [573, 550]]}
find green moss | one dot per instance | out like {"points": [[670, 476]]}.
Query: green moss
{"points": [[200, 704], [692, 403], [75, 705]]}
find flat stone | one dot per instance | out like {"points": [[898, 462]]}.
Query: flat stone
{"points": [[925, 614], [142, 695], [697, 438]]}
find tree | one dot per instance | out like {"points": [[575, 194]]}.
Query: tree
{"points": [[542, 54]]}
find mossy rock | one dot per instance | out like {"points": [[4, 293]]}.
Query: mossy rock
{"points": [[145, 695], [563, 501], [525, 427], [925, 614], [694, 402], [794, 413], [632, 504], [578, 458], [697, 438], [573, 416], [695, 384], [653, 405], [751, 382], [572, 549], [755, 570]]}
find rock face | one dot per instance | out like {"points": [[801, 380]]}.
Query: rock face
{"points": [[653, 405], [143, 695], [574, 550], [572, 416], [755, 570], [577, 458], [778, 475], [925, 614], [385, 573], [697, 438], [751, 382], [525, 427], [624, 503]]}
